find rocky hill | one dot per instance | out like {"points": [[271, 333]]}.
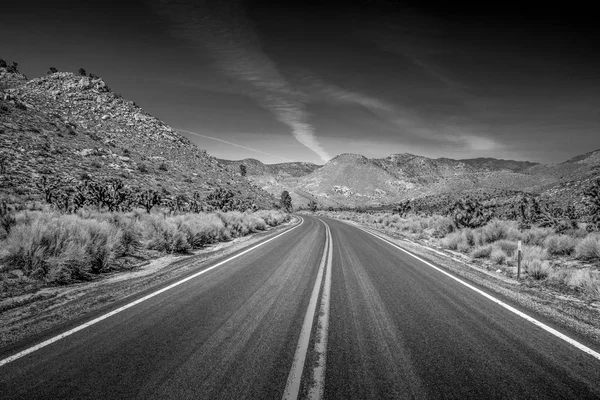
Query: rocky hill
{"points": [[70, 127]]}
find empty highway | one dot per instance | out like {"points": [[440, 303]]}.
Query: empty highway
{"points": [[323, 310]]}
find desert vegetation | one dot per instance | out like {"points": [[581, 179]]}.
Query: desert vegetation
{"points": [[88, 227], [50, 246], [559, 247]]}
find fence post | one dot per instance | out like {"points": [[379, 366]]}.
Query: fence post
{"points": [[519, 259]]}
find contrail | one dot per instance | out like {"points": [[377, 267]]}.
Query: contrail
{"points": [[222, 28], [233, 144]]}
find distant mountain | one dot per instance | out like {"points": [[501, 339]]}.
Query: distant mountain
{"points": [[498, 164], [354, 180], [70, 127], [255, 167]]}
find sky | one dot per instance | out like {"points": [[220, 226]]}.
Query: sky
{"points": [[306, 81]]}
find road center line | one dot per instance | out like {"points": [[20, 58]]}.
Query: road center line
{"points": [[521, 314], [138, 301], [292, 387], [318, 379]]}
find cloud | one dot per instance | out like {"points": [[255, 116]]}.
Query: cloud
{"points": [[222, 28], [405, 120], [233, 144]]}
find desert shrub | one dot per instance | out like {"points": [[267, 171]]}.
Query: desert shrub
{"points": [[442, 226], [452, 240], [560, 244], [272, 217], [241, 224], [482, 251], [497, 230], [589, 247], [535, 236], [534, 253], [498, 256], [163, 167], [164, 235], [201, 229], [538, 269], [507, 246], [58, 247]]}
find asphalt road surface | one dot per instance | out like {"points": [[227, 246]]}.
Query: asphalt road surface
{"points": [[395, 328]]}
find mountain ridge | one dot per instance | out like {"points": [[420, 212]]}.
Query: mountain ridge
{"points": [[70, 127]]}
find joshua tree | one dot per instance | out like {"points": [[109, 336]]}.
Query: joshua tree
{"points": [[593, 199], [470, 213], [148, 199], [243, 169], [48, 187], [286, 201], [403, 208]]}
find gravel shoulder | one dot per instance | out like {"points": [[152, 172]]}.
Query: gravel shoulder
{"points": [[24, 316]]}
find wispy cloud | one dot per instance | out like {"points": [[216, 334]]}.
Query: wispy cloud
{"points": [[222, 28], [233, 144], [405, 120]]}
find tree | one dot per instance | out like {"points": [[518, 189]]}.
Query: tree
{"points": [[470, 213], [403, 208], [312, 205], [82, 72], [243, 169], [2, 63], [52, 70], [148, 199], [286, 201], [592, 195]]}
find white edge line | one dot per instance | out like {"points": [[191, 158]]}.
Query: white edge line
{"points": [[322, 334], [292, 386], [521, 314], [133, 303]]}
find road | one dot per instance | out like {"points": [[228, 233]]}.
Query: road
{"points": [[395, 327]]}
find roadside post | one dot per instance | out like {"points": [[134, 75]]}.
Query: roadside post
{"points": [[519, 260]]}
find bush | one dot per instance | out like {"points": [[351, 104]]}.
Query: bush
{"points": [[507, 246], [497, 230], [58, 247], [164, 235], [538, 269], [588, 248], [442, 226], [535, 236], [498, 256], [482, 252], [560, 245]]}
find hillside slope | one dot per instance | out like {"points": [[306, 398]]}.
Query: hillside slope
{"points": [[72, 127]]}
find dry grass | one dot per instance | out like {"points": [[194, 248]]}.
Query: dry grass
{"points": [[60, 248], [482, 251], [538, 269], [498, 256], [589, 247], [560, 245]]}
